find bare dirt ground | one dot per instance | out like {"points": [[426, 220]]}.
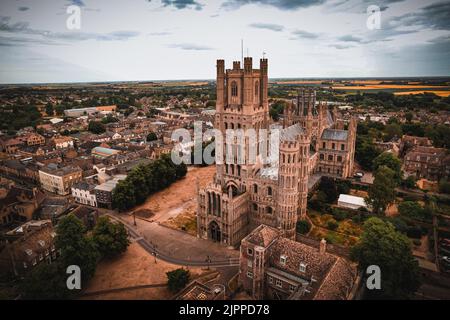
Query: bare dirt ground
{"points": [[176, 205], [134, 268]]}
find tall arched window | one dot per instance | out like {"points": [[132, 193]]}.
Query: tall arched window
{"points": [[256, 88], [234, 89]]}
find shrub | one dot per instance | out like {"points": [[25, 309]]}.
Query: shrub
{"points": [[332, 225], [339, 214], [303, 226], [177, 279]]}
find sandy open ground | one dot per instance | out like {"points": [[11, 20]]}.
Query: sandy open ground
{"points": [[176, 205], [134, 268]]}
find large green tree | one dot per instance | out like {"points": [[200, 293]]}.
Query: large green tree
{"points": [[391, 161], [177, 279], [382, 191], [110, 238], [45, 282], [96, 127], [76, 247], [383, 246]]}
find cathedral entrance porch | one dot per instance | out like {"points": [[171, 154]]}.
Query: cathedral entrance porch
{"points": [[214, 232]]}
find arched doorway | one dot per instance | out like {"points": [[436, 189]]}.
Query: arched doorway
{"points": [[214, 232]]}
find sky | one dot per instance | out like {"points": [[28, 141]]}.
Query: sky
{"points": [[138, 40]]}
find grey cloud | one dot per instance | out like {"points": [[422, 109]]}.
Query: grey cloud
{"points": [[23, 28], [301, 34], [23, 8], [267, 26], [23, 41], [189, 46], [351, 38], [358, 6], [182, 4], [280, 4], [163, 33], [340, 46], [433, 16]]}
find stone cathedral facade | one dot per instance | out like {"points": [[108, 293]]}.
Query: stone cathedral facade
{"points": [[245, 194]]}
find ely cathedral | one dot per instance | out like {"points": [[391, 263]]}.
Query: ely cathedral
{"points": [[245, 195]]}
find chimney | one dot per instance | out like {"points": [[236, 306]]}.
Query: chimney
{"points": [[323, 246]]}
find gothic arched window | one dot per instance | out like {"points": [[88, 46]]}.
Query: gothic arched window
{"points": [[256, 88], [234, 89]]}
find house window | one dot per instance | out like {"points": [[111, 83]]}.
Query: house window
{"points": [[250, 274], [269, 191], [256, 88], [339, 158], [250, 252], [302, 267], [278, 283], [283, 260], [322, 156], [333, 146], [255, 207], [269, 210], [291, 288], [324, 145], [234, 89], [330, 157], [342, 147], [255, 188], [270, 279]]}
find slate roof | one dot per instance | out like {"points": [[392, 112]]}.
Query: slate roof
{"points": [[291, 133], [334, 134]]}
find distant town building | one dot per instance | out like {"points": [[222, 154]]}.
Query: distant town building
{"points": [[427, 162], [84, 193], [59, 180], [103, 192]]}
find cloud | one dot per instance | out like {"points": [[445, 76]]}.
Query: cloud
{"points": [[267, 26], [79, 3], [23, 8], [280, 4], [340, 46], [190, 46], [434, 16], [351, 38], [158, 34], [23, 28], [357, 6], [182, 4], [23, 41], [301, 34]]}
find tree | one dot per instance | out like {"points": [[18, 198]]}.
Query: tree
{"points": [[123, 196], [49, 109], [382, 191], [328, 186], [75, 246], [110, 238], [444, 186], [96, 127], [45, 282], [177, 279], [151, 137], [392, 130], [409, 182], [390, 250], [276, 109], [411, 209], [389, 160], [365, 151], [303, 226]]}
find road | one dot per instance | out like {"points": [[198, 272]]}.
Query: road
{"points": [[177, 247]]}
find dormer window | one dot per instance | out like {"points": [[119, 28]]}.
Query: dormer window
{"points": [[302, 267], [283, 259]]}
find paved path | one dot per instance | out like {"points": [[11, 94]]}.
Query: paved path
{"points": [[177, 247]]}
